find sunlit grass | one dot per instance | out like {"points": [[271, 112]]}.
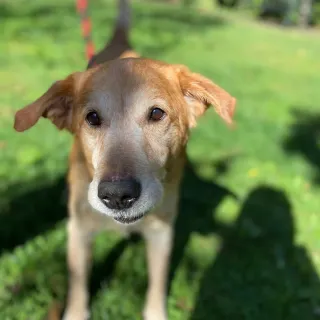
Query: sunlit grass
{"points": [[254, 257]]}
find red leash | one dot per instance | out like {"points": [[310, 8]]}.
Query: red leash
{"points": [[82, 8]]}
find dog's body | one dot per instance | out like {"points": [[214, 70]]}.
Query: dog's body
{"points": [[130, 118]]}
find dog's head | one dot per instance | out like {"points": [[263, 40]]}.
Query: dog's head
{"points": [[132, 118]]}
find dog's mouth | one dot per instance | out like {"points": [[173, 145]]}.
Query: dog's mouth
{"points": [[128, 219]]}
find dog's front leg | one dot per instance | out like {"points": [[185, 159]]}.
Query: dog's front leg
{"points": [[79, 263], [159, 242]]}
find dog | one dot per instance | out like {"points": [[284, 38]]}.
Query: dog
{"points": [[130, 118]]}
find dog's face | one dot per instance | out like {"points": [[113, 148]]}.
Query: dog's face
{"points": [[132, 118]]}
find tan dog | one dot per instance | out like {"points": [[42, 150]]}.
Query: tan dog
{"points": [[130, 119]]}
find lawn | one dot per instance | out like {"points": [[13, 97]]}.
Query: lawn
{"points": [[248, 233]]}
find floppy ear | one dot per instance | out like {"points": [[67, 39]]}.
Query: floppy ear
{"points": [[55, 104], [201, 92]]}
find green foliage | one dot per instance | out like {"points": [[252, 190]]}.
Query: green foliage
{"points": [[285, 12], [247, 244]]}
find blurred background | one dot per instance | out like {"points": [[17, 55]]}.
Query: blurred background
{"points": [[248, 233]]}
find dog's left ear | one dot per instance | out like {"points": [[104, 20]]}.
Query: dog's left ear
{"points": [[55, 104], [201, 92]]}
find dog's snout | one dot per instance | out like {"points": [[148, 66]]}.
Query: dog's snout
{"points": [[119, 194]]}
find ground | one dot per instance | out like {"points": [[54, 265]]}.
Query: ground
{"points": [[248, 234]]}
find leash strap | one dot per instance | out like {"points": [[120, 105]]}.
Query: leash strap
{"points": [[82, 8]]}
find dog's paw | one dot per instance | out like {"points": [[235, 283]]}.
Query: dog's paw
{"points": [[71, 315], [154, 314]]}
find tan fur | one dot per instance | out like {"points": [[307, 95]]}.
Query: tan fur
{"points": [[122, 92]]}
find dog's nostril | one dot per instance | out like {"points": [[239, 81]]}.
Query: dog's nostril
{"points": [[120, 194], [128, 201]]}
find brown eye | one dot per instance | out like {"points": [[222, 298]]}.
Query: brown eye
{"points": [[93, 119], [156, 114]]}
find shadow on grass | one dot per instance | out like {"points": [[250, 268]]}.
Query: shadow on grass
{"points": [[186, 18], [36, 9], [304, 139], [154, 29], [170, 27], [260, 273], [26, 214], [199, 199]]}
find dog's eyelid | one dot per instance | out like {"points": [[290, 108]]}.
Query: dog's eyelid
{"points": [[157, 105]]}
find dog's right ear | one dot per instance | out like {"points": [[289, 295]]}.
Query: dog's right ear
{"points": [[55, 104]]}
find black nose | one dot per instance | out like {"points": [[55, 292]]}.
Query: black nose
{"points": [[120, 194]]}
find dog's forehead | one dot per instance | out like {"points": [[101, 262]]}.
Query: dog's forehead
{"points": [[125, 76]]}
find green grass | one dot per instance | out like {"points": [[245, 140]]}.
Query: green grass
{"points": [[248, 236]]}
